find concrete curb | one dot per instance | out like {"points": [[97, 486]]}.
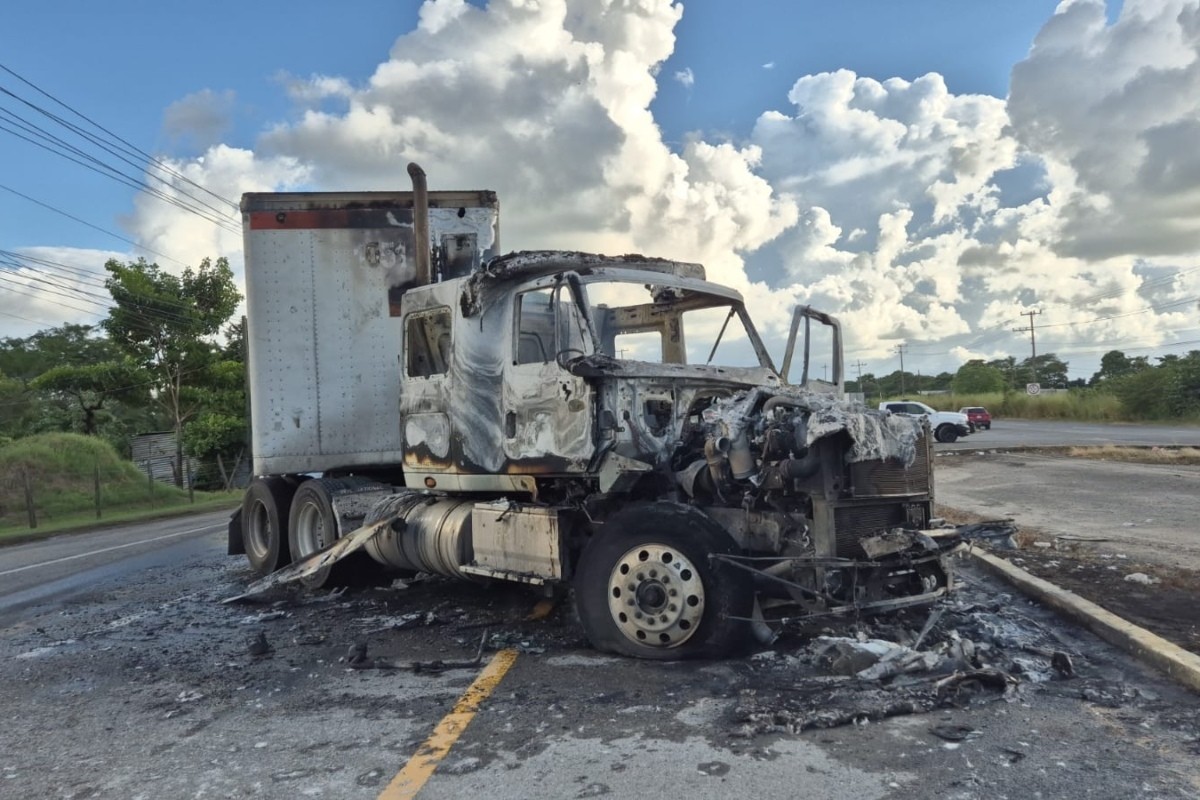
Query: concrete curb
{"points": [[1180, 664]]}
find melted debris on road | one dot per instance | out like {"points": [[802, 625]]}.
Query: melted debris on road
{"points": [[972, 648]]}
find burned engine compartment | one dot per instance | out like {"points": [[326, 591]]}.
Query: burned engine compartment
{"points": [[830, 500]]}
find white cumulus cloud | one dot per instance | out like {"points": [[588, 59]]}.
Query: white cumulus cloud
{"points": [[913, 213]]}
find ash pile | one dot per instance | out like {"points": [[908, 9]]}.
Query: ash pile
{"points": [[970, 649]]}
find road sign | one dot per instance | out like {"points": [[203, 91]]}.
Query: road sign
{"points": [[1033, 388]]}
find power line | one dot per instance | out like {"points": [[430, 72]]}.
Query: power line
{"points": [[165, 308], [1159, 307], [150, 382], [149, 158], [59, 211], [19, 287], [117, 147], [107, 170], [27, 319]]}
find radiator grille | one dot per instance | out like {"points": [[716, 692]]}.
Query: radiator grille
{"points": [[852, 523], [874, 478]]}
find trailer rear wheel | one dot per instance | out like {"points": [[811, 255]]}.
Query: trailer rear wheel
{"points": [[645, 586], [313, 526], [264, 523]]}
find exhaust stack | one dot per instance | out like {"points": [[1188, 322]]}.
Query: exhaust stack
{"points": [[421, 224]]}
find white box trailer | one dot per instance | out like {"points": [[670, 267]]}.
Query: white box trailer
{"points": [[324, 279]]}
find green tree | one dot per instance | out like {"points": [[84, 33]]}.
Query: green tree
{"points": [[1047, 369], [87, 387], [217, 434], [167, 324], [1183, 384], [1008, 368], [25, 359], [32, 405], [1144, 395], [1115, 365], [976, 377]]}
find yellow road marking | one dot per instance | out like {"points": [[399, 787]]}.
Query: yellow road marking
{"points": [[541, 610], [412, 778]]}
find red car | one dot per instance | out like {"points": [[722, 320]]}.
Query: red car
{"points": [[977, 417]]}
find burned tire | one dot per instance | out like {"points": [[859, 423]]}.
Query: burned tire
{"points": [[645, 587], [265, 509], [313, 526], [946, 434]]}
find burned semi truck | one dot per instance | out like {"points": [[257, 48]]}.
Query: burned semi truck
{"points": [[609, 425]]}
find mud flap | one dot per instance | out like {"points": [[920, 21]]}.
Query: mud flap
{"points": [[237, 545], [350, 543]]}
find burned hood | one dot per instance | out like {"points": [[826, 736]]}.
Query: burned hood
{"points": [[530, 264], [602, 366], [876, 435]]}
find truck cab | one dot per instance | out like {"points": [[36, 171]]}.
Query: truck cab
{"points": [[561, 361]]}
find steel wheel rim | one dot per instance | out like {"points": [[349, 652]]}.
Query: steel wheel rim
{"points": [[259, 529], [655, 596], [310, 529]]}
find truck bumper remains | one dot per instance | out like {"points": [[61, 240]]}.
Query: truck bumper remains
{"points": [[916, 575]]}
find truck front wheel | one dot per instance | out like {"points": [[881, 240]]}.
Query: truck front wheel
{"points": [[265, 510], [645, 586]]}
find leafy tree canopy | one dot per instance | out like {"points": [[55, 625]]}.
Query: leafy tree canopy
{"points": [[976, 377], [167, 323], [1115, 365]]}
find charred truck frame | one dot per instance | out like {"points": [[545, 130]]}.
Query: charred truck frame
{"points": [[559, 419]]}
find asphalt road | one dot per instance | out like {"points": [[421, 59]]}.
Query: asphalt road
{"points": [[1024, 433], [52, 570], [141, 683], [1146, 511]]}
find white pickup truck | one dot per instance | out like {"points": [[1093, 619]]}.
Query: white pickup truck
{"points": [[946, 425]]}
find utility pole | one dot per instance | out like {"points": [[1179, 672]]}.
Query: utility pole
{"points": [[825, 372], [858, 365], [1032, 340], [900, 349]]}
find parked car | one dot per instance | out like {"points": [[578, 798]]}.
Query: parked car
{"points": [[947, 425], [977, 417]]}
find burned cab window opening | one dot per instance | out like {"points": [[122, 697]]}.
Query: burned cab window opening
{"points": [[641, 322], [548, 323], [427, 343]]}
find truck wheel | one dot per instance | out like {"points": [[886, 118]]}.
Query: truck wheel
{"points": [[645, 587], [947, 434], [264, 523], [313, 526]]}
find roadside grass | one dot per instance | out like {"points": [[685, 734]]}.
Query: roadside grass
{"points": [[61, 471], [87, 522], [1080, 406], [1186, 456]]}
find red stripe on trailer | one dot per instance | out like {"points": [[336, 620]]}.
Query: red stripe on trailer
{"points": [[330, 218]]}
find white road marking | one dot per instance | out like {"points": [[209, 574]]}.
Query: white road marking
{"points": [[109, 549]]}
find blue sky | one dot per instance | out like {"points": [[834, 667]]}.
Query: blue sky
{"points": [[123, 62], [861, 192]]}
